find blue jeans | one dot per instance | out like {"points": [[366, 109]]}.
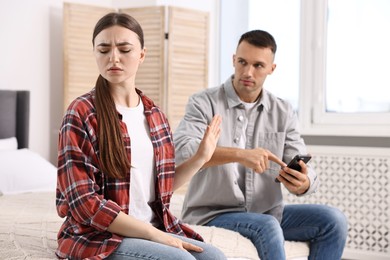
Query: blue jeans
{"points": [[324, 227], [135, 248]]}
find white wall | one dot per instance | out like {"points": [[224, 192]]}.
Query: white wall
{"points": [[233, 23], [31, 58]]}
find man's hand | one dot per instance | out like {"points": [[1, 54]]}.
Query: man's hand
{"points": [[294, 181], [258, 159]]}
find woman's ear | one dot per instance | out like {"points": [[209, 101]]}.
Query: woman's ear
{"points": [[142, 55]]}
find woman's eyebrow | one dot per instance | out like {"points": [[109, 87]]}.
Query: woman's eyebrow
{"points": [[103, 44], [123, 43]]}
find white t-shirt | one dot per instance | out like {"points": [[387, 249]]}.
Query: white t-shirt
{"points": [[242, 143], [142, 180]]}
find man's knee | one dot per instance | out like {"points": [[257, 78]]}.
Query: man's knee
{"points": [[263, 225], [338, 220]]}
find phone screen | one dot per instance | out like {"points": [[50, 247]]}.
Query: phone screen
{"points": [[294, 163]]}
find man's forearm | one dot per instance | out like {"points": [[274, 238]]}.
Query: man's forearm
{"points": [[223, 155]]}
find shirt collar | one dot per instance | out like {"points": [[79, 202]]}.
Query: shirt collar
{"points": [[234, 101]]}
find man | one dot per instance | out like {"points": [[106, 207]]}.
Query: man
{"points": [[236, 189]]}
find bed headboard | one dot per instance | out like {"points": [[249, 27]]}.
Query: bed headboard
{"points": [[14, 115]]}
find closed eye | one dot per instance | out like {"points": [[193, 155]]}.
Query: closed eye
{"points": [[103, 49], [125, 51]]}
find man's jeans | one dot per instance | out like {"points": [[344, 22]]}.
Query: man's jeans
{"points": [[324, 227]]}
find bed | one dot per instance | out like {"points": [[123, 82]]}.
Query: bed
{"points": [[28, 220]]}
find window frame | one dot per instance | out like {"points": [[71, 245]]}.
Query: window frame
{"points": [[314, 119]]}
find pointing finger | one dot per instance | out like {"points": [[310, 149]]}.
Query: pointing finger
{"points": [[275, 159]]}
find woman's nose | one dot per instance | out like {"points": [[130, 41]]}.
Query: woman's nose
{"points": [[114, 57]]}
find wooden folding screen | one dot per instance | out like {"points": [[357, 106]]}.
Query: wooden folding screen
{"points": [[80, 69], [150, 77], [176, 63], [187, 58]]}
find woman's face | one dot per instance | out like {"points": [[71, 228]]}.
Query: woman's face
{"points": [[118, 54]]}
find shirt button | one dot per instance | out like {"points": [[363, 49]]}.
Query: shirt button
{"points": [[240, 118], [236, 139]]}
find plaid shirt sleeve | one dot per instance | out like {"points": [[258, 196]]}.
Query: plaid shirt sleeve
{"points": [[79, 196], [77, 168]]}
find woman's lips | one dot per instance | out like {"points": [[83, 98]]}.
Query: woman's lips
{"points": [[115, 69]]}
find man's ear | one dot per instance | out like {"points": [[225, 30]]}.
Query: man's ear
{"points": [[272, 69], [234, 59]]}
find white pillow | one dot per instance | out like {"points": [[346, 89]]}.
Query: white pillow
{"points": [[8, 144], [26, 171]]}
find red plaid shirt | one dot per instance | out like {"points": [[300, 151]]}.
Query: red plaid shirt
{"points": [[89, 199]]}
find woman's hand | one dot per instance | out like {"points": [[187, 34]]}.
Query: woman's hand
{"points": [[166, 239], [128, 226], [210, 139], [190, 167]]}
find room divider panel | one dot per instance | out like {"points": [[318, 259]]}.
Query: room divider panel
{"points": [[176, 63]]}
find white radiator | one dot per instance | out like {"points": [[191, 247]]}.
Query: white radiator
{"points": [[357, 181]]}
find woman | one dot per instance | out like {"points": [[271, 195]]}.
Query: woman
{"points": [[116, 162]]}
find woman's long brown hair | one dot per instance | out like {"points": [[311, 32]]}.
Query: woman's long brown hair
{"points": [[112, 153]]}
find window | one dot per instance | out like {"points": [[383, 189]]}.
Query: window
{"points": [[284, 25], [345, 89], [331, 62], [361, 41]]}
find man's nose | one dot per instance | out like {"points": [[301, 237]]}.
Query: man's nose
{"points": [[249, 70]]}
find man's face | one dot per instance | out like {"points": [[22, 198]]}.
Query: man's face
{"points": [[252, 65]]}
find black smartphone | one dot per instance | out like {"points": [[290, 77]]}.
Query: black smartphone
{"points": [[294, 163]]}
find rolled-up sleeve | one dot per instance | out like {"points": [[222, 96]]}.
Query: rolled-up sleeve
{"points": [[77, 190], [295, 145]]}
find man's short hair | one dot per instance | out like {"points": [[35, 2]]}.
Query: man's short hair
{"points": [[259, 38]]}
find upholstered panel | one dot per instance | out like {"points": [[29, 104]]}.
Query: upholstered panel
{"points": [[14, 115]]}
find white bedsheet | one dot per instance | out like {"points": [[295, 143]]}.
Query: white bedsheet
{"points": [[25, 171]]}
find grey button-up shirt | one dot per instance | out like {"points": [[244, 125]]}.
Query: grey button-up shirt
{"points": [[272, 125]]}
